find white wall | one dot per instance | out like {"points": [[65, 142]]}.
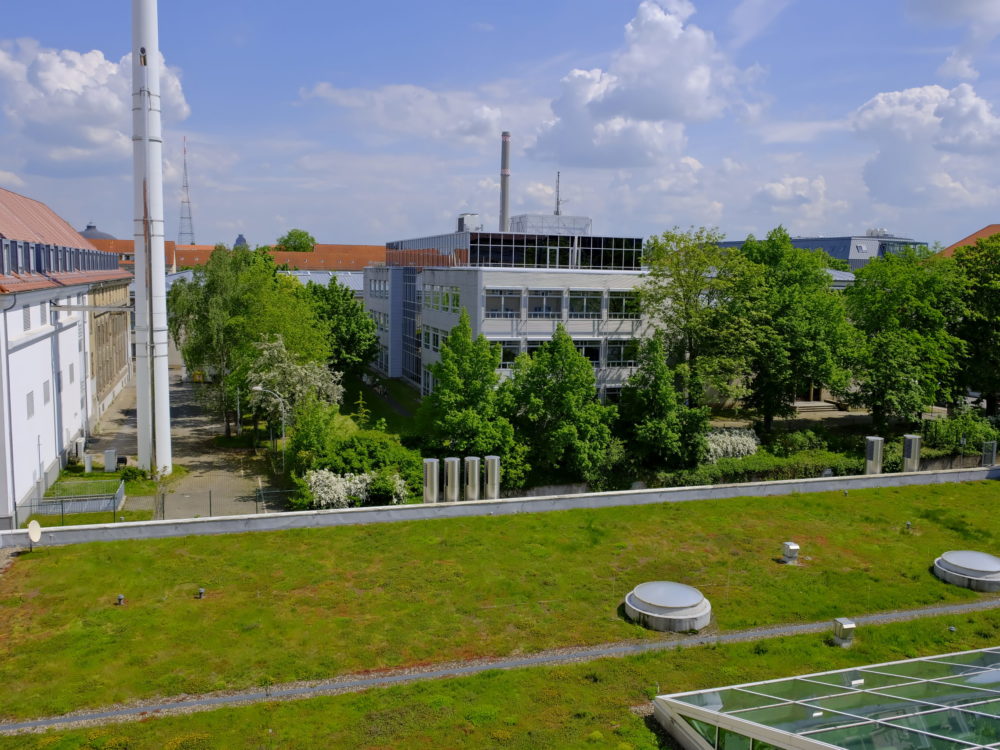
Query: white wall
{"points": [[47, 356]]}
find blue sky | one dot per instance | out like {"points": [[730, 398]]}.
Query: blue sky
{"points": [[378, 121]]}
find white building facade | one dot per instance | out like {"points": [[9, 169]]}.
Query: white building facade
{"points": [[49, 391], [520, 308], [516, 287]]}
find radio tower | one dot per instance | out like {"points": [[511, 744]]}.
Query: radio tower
{"points": [[185, 234]]}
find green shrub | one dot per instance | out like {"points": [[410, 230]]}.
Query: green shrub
{"points": [[785, 444], [133, 474], [965, 423], [368, 451], [764, 466]]}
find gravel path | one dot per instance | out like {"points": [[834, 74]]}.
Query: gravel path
{"points": [[183, 704]]}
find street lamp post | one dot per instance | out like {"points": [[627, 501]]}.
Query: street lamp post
{"points": [[262, 389]]}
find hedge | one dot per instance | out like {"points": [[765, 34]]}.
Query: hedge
{"points": [[764, 467]]}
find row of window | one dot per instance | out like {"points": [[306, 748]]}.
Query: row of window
{"points": [[437, 297], [531, 251], [433, 338], [616, 352], [381, 320], [552, 303], [378, 288]]}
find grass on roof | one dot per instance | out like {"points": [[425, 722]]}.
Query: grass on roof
{"points": [[585, 705], [315, 603]]}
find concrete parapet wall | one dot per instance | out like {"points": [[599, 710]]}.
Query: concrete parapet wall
{"points": [[509, 506]]}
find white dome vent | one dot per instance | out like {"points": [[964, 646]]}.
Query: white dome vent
{"points": [[668, 606], [978, 571]]}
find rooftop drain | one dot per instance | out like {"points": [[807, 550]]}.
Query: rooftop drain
{"points": [[978, 571], [668, 606]]}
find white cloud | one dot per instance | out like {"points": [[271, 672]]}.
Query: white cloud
{"points": [[70, 111], [958, 65], [804, 131], [981, 20], [803, 198], [751, 17], [982, 13], [404, 110], [668, 73], [9, 179], [934, 145]]}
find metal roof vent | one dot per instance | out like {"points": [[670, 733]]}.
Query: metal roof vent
{"points": [[978, 571], [664, 605]]}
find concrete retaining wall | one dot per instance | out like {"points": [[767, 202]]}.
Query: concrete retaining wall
{"points": [[391, 514]]}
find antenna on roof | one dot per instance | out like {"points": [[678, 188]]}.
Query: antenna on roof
{"points": [[559, 200], [185, 234]]}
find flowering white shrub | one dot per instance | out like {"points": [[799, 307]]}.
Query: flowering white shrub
{"points": [[731, 442], [331, 490]]}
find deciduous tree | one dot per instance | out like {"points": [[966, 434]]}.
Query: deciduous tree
{"points": [[353, 338], [551, 399], [698, 296], [460, 417], [800, 335], [979, 327], [659, 430], [296, 241], [906, 357]]}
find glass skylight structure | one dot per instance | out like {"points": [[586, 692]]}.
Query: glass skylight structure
{"points": [[939, 702]]}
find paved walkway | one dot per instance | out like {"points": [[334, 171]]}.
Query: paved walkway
{"points": [[358, 683], [219, 482]]}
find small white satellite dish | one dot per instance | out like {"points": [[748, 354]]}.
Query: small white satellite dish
{"points": [[34, 532]]}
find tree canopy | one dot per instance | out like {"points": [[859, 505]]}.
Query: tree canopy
{"points": [[698, 296], [460, 417], [353, 338], [906, 357], [551, 399], [660, 431], [800, 332], [295, 241], [232, 304], [980, 326]]}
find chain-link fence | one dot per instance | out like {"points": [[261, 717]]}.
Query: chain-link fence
{"points": [[220, 502], [76, 503]]}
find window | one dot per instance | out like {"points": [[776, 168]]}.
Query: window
{"points": [[612, 395], [46, 392], [591, 349], [545, 303], [623, 306], [585, 304], [72, 373], [621, 352], [508, 353], [444, 298], [433, 338], [31, 404], [533, 345], [503, 303], [27, 318]]}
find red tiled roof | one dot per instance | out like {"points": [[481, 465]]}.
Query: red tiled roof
{"points": [[322, 258], [987, 231], [26, 282], [27, 220]]}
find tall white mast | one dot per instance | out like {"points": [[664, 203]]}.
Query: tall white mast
{"points": [[152, 385]]}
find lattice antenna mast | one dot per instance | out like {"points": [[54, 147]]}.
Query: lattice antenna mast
{"points": [[185, 233], [559, 200]]}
